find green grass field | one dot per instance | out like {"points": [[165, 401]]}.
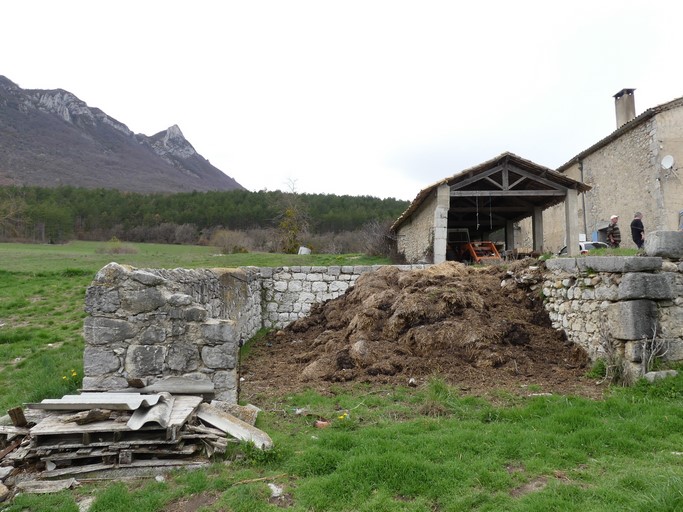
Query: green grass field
{"points": [[419, 449]]}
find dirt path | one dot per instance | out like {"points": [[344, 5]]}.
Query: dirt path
{"points": [[483, 330]]}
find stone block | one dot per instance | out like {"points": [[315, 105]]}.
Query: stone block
{"points": [[182, 357], [636, 285], [147, 278], [178, 300], [561, 264], [142, 301], [215, 330], [619, 264], [195, 314], [153, 334], [100, 299], [98, 361], [653, 376], [220, 356], [101, 331], [145, 360], [104, 383], [632, 320], [666, 244]]}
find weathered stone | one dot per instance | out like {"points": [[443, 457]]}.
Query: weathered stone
{"points": [[101, 331], [179, 300], [225, 380], [195, 314], [104, 383], [98, 361], [101, 299], [153, 334], [653, 376], [218, 357], [111, 274], [619, 264], [632, 320], [636, 285], [144, 360], [219, 331], [147, 278], [561, 264], [142, 301], [182, 357], [667, 244], [633, 351]]}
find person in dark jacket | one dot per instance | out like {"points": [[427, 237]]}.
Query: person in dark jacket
{"points": [[638, 230], [613, 232]]}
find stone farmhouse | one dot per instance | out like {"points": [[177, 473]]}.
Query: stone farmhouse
{"points": [[632, 169], [523, 206]]}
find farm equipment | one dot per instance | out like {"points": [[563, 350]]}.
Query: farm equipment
{"points": [[461, 248]]}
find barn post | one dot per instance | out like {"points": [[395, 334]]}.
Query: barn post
{"points": [[571, 206], [537, 228], [443, 202]]}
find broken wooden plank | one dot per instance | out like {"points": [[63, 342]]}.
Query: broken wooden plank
{"points": [[44, 487], [89, 416], [93, 468], [85, 401], [234, 426], [16, 414], [11, 447]]}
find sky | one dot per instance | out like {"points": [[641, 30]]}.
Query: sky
{"points": [[374, 97]]}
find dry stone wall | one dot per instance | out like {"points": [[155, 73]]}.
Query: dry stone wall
{"points": [[149, 324], [618, 307]]}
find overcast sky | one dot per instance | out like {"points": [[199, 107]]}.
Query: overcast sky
{"points": [[379, 98]]}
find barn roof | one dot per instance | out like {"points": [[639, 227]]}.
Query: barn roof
{"points": [[533, 186]]}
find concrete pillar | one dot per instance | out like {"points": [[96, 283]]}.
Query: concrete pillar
{"points": [[537, 229], [509, 235], [571, 206], [443, 202]]}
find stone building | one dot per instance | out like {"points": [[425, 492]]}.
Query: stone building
{"points": [[486, 203], [632, 169]]}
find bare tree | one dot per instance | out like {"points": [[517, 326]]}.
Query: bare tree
{"points": [[12, 210]]}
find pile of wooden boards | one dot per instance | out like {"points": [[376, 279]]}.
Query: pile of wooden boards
{"points": [[94, 432]]}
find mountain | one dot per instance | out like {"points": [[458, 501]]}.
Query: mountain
{"points": [[50, 138]]}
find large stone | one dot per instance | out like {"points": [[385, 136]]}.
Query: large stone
{"points": [[619, 264], [666, 244], [218, 357], [561, 264], [182, 357], [98, 361], [102, 300], [636, 285], [142, 301], [101, 330], [104, 383], [147, 278], [215, 330], [152, 335], [145, 360], [632, 320]]}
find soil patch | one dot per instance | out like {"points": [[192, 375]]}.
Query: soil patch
{"points": [[482, 329]]}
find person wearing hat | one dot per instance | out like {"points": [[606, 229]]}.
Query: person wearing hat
{"points": [[613, 232], [638, 230]]}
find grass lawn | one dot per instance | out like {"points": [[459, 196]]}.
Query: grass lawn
{"points": [[420, 449]]}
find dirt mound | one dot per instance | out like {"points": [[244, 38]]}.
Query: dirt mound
{"points": [[482, 329]]}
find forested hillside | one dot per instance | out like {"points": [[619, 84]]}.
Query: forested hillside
{"points": [[63, 213]]}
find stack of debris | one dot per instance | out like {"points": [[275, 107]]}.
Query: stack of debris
{"points": [[167, 425]]}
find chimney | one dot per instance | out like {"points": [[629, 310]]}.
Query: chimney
{"points": [[625, 106]]}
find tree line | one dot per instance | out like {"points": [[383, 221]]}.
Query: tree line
{"points": [[63, 213]]}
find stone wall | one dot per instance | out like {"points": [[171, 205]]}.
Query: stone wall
{"points": [[150, 324], [618, 306], [288, 293], [415, 237]]}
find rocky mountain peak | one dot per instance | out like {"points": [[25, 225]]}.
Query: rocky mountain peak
{"points": [[52, 138]]}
